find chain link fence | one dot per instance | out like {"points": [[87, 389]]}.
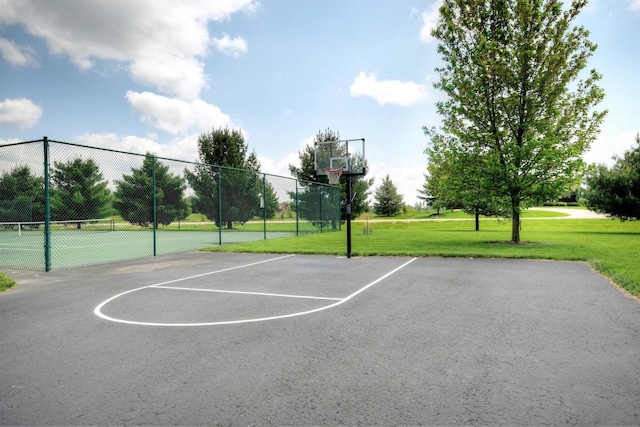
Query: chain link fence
{"points": [[64, 205]]}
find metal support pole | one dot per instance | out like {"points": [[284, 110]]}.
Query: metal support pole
{"points": [[297, 216], [348, 212], [220, 205], [47, 208], [153, 204], [264, 204]]}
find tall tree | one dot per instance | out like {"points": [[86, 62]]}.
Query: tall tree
{"points": [[616, 191], [227, 183], [387, 200], [24, 194], [360, 185], [452, 179], [79, 191], [134, 194], [518, 102]]}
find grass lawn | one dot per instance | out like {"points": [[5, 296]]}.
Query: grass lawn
{"points": [[5, 282], [612, 247]]}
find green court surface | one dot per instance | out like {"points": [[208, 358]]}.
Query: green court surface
{"points": [[73, 248]]}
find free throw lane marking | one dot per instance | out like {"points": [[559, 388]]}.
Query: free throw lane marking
{"points": [[339, 301], [223, 291]]}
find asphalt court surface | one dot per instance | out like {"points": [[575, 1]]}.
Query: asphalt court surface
{"points": [[264, 339]]}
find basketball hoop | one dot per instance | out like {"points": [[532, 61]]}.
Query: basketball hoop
{"points": [[334, 175]]}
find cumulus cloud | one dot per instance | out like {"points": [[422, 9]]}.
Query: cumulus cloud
{"points": [[429, 20], [388, 91], [635, 5], [228, 46], [607, 146], [281, 167], [17, 55], [161, 40], [176, 116], [20, 113]]}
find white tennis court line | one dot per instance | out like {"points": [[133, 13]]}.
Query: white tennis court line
{"points": [[339, 301]]}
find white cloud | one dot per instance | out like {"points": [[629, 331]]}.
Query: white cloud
{"points": [[429, 20], [183, 77], [20, 113], [388, 91], [606, 146], [406, 179], [635, 5], [17, 55], [176, 116], [161, 39], [281, 167], [228, 46]]}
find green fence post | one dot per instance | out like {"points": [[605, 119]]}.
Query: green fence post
{"points": [[153, 204], [47, 208], [264, 204], [220, 205], [297, 216], [320, 209]]}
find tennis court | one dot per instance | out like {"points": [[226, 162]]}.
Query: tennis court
{"points": [[103, 241], [264, 339]]}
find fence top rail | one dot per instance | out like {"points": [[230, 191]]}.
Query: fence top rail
{"points": [[302, 181], [21, 143]]}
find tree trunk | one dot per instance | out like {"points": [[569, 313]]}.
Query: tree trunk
{"points": [[515, 226], [477, 220]]}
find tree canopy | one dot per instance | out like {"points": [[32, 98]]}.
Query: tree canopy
{"points": [[22, 195], [226, 183], [616, 191], [387, 200], [134, 194], [79, 191], [519, 107]]}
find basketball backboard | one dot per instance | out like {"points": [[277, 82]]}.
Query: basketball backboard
{"points": [[347, 154]]}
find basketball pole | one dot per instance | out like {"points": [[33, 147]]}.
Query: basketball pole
{"points": [[348, 213]]}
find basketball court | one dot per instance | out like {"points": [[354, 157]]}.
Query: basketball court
{"points": [[266, 339]]}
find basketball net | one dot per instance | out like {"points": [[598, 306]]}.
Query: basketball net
{"points": [[334, 175]]}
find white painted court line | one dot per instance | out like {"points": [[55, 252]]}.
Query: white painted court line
{"points": [[223, 291], [234, 322]]}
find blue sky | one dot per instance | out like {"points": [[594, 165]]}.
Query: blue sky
{"points": [[153, 75]]}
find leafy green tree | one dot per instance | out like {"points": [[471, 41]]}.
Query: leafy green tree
{"points": [[616, 191], [387, 200], [517, 102], [457, 188], [228, 175], [360, 185], [134, 194], [79, 191], [25, 192]]}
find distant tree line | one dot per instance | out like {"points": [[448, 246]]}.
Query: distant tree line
{"points": [[227, 186]]}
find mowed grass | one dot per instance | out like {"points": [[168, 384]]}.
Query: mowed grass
{"points": [[612, 247]]}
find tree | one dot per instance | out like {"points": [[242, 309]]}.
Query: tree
{"points": [[517, 103], [79, 191], [134, 194], [24, 194], [232, 192], [306, 172], [616, 191], [456, 187], [387, 200]]}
